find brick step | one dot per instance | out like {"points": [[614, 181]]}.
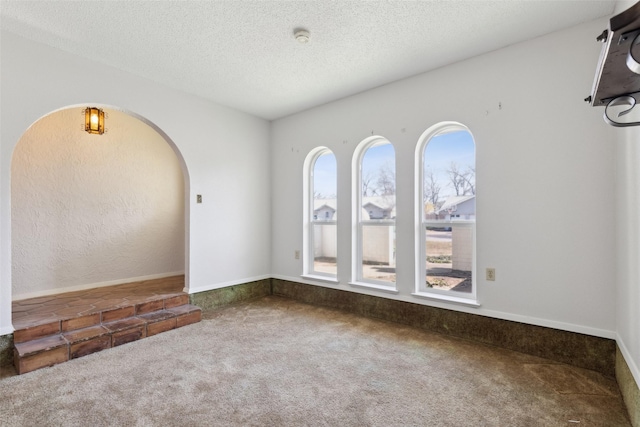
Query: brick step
{"points": [[81, 336], [104, 316]]}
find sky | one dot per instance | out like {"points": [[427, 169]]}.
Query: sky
{"points": [[324, 176], [378, 156], [439, 153], [443, 149]]}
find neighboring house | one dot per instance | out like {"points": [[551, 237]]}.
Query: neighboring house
{"points": [[381, 240], [375, 207], [458, 207], [324, 209], [379, 207]]}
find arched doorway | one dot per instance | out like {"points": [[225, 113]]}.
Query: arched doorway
{"points": [[96, 210]]}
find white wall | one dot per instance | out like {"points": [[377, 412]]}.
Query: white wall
{"points": [[628, 242], [627, 218], [628, 246], [540, 148], [224, 152], [93, 209]]}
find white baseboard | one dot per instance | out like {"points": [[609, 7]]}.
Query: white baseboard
{"points": [[198, 289], [6, 330], [307, 280], [55, 291]]}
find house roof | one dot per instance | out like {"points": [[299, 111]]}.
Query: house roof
{"points": [[454, 201], [381, 202], [320, 203]]}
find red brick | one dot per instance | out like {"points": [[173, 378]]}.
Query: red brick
{"points": [[118, 314], [128, 335], [39, 360], [156, 316], [40, 345], [80, 322], [36, 332], [121, 325], [161, 326], [148, 307], [176, 301], [184, 309], [188, 319], [86, 347], [85, 334]]}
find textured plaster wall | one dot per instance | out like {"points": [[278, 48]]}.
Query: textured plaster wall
{"points": [[539, 147], [88, 208]]}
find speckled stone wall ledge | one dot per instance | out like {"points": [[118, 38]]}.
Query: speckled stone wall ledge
{"points": [[6, 350], [584, 351], [628, 388], [232, 294]]}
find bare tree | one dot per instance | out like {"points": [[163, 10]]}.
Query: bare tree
{"points": [[386, 181], [431, 190], [367, 185], [463, 182], [470, 179], [455, 177]]}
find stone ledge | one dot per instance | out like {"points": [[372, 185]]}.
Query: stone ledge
{"points": [[584, 351], [628, 388], [215, 298], [6, 351]]}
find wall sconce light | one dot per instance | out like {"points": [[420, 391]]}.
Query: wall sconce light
{"points": [[94, 120]]}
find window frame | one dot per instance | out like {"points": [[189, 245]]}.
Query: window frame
{"points": [[309, 220], [358, 223], [421, 224]]}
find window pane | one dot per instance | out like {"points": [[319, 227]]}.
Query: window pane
{"points": [[379, 182], [324, 176], [379, 253], [449, 259], [324, 248], [321, 256], [449, 176]]}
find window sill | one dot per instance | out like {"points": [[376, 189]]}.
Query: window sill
{"points": [[447, 298], [383, 288], [319, 278]]}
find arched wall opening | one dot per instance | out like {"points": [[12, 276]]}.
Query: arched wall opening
{"points": [[95, 210]]}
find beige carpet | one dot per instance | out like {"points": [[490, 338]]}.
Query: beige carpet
{"points": [[276, 362]]}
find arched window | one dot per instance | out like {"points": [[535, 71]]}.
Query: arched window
{"points": [[374, 213], [320, 214], [446, 212]]}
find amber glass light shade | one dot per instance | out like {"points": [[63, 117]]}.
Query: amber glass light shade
{"points": [[94, 120]]}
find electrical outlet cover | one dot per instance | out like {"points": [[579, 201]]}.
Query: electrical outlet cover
{"points": [[491, 274]]}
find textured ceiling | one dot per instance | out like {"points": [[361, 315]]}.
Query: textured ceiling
{"points": [[243, 54]]}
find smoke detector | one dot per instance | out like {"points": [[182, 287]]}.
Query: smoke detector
{"points": [[302, 36]]}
